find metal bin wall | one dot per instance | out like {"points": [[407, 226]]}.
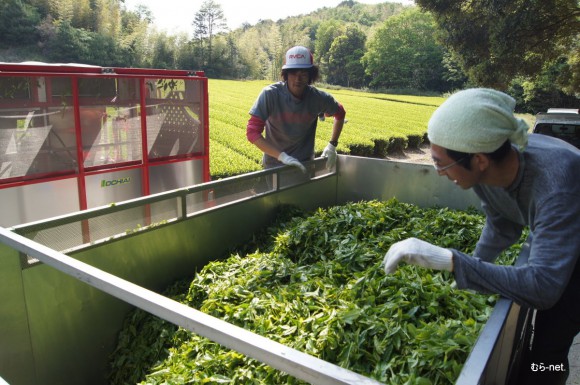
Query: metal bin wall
{"points": [[57, 329]]}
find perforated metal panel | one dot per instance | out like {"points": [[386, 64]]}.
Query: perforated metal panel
{"points": [[32, 142], [173, 126]]}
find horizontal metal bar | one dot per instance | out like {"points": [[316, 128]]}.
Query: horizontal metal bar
{"points": [[298, 364], [153, 198]]}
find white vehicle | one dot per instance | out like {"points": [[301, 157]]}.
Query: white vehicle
{"points": [[563, 123]]}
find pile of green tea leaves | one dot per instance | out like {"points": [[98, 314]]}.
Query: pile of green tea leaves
{"points": [[318, 286]]}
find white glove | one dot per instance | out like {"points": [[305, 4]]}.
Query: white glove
{"points": [[330, 153], [291, 161], [420, 253]]}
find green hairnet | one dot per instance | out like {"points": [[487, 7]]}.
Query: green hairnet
{"points": [[477, 120]]}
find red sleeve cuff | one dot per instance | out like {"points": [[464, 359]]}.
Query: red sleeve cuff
{"points": [[341, 113], [254, 128]]}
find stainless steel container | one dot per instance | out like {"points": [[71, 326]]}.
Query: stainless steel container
{"points": [[67, 283]]}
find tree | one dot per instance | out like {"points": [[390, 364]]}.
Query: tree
{"points": [[77, 45], [497, 40], [251, 55], [272, 46], [83, 16], [18, 23], [62, 11], [232, 55], [164, 51], [325, 35], [107, 15], [134, 36], [403, 53], [208, 21], [536, 94], [296, 31], [344, 63], [68, 44]]}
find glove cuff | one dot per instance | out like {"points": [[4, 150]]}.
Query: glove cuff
{"points": [[331, 147], [442, 259]]}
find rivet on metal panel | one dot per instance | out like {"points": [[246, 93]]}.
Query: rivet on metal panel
{"points": [[27, 261]]}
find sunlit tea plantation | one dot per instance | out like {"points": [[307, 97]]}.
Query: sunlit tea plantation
{"points": [[377, 124]]}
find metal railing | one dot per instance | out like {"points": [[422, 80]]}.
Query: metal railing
{"points": [[71, 232]]}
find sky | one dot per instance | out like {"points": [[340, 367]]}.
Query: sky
{"points": [[177, 15]]}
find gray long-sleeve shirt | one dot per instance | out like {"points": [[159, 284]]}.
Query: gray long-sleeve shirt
{"points": [[546, 197]]}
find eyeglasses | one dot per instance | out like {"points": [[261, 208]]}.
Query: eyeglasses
{"points": [[441, 169]]}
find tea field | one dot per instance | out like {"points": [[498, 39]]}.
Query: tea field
{"points": [[376, 124]]}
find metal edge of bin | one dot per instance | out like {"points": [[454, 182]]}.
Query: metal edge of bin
{"points": [[488, 356], [496, 349]]}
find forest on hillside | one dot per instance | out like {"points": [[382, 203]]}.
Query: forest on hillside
{"points": [[529, 48]]}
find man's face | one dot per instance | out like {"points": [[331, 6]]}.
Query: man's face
{"points": [[297, 81], [445, 165]]}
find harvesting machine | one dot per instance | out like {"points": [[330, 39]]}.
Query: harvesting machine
{"points": [[81, 136], [68, 281]]}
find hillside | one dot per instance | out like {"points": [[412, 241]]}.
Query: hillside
{"points": [[30, 28], [388, 46]]}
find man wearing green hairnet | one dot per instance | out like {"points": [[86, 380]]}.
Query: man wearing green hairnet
{"points": [[522, 180]]}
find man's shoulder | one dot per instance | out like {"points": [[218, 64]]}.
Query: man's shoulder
{"points": [[552, 161], [274, 87], [272, 92], [547, 146], [318, 92]]}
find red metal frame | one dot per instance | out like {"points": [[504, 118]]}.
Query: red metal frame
{"points": [[206, 175], [67, 69], [77, 71], [145, 174], [81, 165]]}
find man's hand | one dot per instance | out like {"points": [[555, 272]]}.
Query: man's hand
{"points": [[291, 161], [420, 253], [329, 153]]}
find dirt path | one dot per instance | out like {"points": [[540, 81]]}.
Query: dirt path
{"points": [[413, 155]]}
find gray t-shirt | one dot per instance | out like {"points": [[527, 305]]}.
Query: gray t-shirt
{"points": [[546, 197], [291, 122]]}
